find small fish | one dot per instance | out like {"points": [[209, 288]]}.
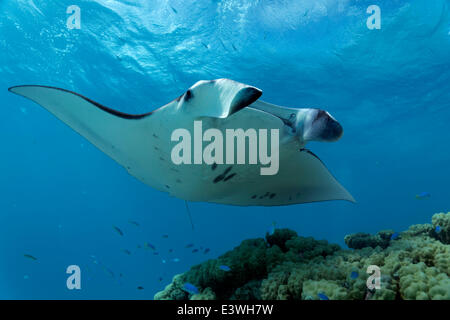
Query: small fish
{"points": [[205, 45], [139, 246], [95, 260], [222, 44], [174, 10], [176, 260], [395, 235], [29, 256], [160, 279], [190, 288], [190, 245], [134, 223], [26, 277], [423, 195], [107, 271], [437, 229], [195, 250], [225, 268], [170, 250], [163, 261], [322, 296], [118, 230], [155, 253], [140, 288], [165, 236], [272, 228], [128, 252], [207, 250], [149, 246], [354, 274], [234, 47]]}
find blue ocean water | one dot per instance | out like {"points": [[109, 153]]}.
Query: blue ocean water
{"points": [[60, 197]]}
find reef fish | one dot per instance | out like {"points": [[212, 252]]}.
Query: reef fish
{"points": [[224, 268], [395, 235], [271, 229], [133, 223], [323, 296], [190, 288], [423, 195], [118, 230], [354, 274], [29, 256], [437, 229], [149, 246], [140, 143], [126, 251]]}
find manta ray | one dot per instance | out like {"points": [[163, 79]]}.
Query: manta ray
{"points": [[142, 144]]}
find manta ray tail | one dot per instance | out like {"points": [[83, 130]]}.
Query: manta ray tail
{"points": [[189, 214], [111, 131]]}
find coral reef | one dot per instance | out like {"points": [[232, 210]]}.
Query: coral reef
{"points": [[361, 240], [415, 264]]}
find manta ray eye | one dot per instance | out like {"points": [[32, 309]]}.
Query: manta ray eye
{"points": [[188, 95]]}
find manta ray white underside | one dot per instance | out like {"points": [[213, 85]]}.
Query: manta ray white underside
{"points": [[142, 143]]}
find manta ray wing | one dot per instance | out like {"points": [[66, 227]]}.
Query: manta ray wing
{"points": [[302, 178], [125, 138]]}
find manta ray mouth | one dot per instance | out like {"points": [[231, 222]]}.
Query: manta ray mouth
{"points": [[326, 127]]}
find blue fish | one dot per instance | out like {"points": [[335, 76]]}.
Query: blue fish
{"points": [[323, 296], [395, 235], [354, 274], [190, 288], [423, 195], [225, 268], [437, 229], [271, 229]]}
